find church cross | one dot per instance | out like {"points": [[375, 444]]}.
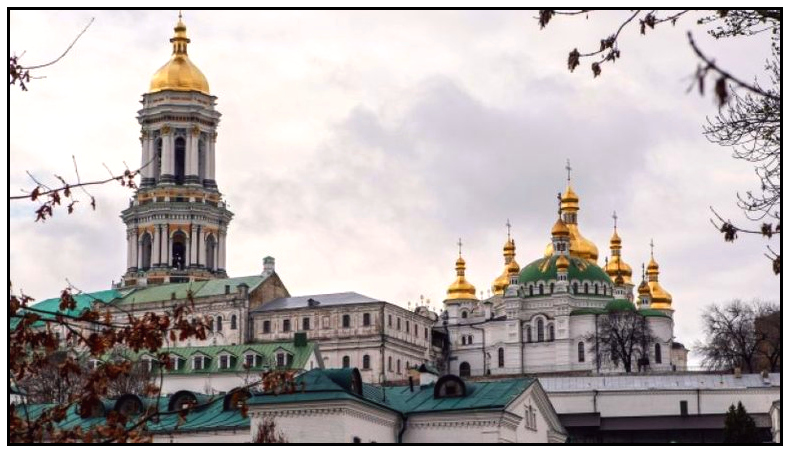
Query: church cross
{"points": [[460, 244], [651, 247], [507, 224], [614, 216], [568, 167]]}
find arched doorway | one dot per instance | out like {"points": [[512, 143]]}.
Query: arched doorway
{"points": [[180, 159], [211, 244], [179, 250], [465, 370], [145, 255]]}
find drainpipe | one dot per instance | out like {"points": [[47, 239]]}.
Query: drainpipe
{"points": [[403, 418], [597, 353], [595, 400], [521, 343], [383, 369]]}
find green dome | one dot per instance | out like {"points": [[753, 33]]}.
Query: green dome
{"points": [[545, 269], [620, 305]]}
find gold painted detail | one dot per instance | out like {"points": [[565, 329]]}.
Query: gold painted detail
{"points": [[511, 268], [165, 130], [660, 299], [195, 131]]}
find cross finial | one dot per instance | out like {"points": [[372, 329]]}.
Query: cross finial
{"points": [[614, 216], [568, 167], [643, 271], [460, 244], [559, 204], [507, 224], [651, 247], [179, 14]]}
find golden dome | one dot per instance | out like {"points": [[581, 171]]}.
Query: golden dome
{"points": [[616, 265], [460, 289], [179, 74], [501, 283], [644, 289], [660, 299], [563, 263], [569, 200], [560, 229], [580, 246]]}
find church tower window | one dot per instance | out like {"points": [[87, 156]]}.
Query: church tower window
{"points": [[178, 250], [179, 157], [219, 323], [529, 334], [145, 261], [541, 334], [210, 246], [233, 322]]}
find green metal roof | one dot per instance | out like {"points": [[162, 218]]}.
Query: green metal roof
{"points": [[481, 395], [649, 312], [156, 293], [209, 416], [301, 354], [546, 269], [82, 301]]}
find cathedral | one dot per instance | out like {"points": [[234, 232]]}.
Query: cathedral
{"points": [[543, 318]]}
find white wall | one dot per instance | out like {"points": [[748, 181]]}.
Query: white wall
{"points": [[212, 437]]}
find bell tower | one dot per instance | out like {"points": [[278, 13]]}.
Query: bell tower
{"points": [[177, 222]]}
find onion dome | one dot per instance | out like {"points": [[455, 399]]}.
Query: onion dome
{"points": [[579, 245], [660, 299], [560, 229], [501, 282], [562, 263], [460, 289], [513, 268], [616, 265], [179, 74]]}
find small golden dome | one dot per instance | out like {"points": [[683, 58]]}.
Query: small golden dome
{"points": [[563, 263], [617, 266], [660, 299], [510, 246], [513, 268], [580, 246], [560, 229], [615, 241], [501, 283], [644, 289], [461, 289], [179, 74], [569, 200]]}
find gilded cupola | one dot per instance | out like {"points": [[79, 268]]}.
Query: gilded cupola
{"points": [[616, 266], [580, 246], [179, 74], [660, 299], [460, 289], [511, 266]]}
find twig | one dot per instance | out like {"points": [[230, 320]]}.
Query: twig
{"points": [[64, 52]]}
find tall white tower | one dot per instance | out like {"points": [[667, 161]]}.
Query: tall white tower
{"points": [[177, 222]]}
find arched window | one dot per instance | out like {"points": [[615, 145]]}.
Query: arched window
{"points": [[219, 323], [575, 288], [540, 289], [541, 334], [365, 362], [581, 351], [551, 332], [551, 288], [145, 259], [233, 322], [178, 250], [658, 353], [464, 314], [201, 160], [180, 159], [465, 370], [210, 246], [346, 361], [501, 357], [529, 334], [366, 319], [596, 288], [530, 290], [346, 321]]}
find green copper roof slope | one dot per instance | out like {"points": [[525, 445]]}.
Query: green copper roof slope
{"points": [[82, 302], [168, 291]]}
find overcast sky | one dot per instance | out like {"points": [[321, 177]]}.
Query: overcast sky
{"points": [[357, 147]]}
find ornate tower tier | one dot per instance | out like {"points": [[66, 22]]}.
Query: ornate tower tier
{"points": [[177, 221]]}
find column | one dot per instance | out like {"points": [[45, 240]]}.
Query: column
{"points": [[147, 164], [220, 254], [168, 164], [128, 249], [193, 238], [139, 257], [134, 248], [192, 156], [166, 244], [156, 259], [210, 160], [202, 246], [187, 250]]}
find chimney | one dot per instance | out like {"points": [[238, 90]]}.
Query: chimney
{"points": [[268, 266]]}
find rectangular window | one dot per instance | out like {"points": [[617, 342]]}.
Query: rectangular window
{"points": [[249, 360], [684, 408], [223, 362], [426, 333], [366, 319], [267, 326], [408, 327], [389, 320], [398, 324], [281, 360], [286, 325], [198, 363], [305, 323]]}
